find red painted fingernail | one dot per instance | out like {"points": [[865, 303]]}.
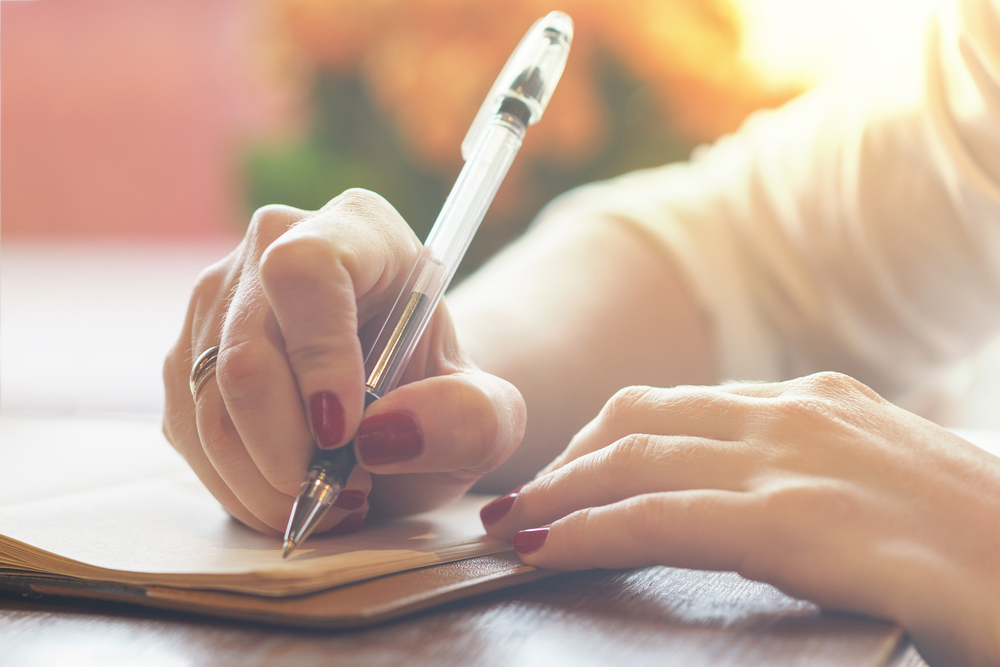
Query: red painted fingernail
{"points": [[350, 499], [497, 509], [387, 438], [351, 523], [530, 540], [327, 416]]}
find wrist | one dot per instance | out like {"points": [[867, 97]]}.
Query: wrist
{"points": [[956, 621]]}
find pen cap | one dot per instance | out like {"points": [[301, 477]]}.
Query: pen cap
{"points": [[530, 75]]}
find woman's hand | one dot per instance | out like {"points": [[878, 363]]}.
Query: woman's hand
{"points": [[817, 485], [292, 309]]}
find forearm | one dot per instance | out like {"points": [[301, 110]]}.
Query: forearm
{"points": [[867, 212], [572, 312]]}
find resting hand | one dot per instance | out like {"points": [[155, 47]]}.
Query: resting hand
{"points": [[816, 485], [292, 309]]}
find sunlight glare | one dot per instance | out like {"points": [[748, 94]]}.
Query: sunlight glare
{"points": [[803, 42]]}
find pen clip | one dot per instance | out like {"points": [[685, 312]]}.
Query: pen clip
{"points": [[530, 75]]}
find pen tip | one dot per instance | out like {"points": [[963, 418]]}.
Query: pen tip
{"points": [[287, 550]]}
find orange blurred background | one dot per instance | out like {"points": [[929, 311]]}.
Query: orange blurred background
{"points": [[135, 120], [137, 137]]}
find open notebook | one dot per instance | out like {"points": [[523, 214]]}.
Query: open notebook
{"points": [[153, 535]]}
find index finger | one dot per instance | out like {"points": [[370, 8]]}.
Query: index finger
{"points": [[313, 277], [701, 412]]}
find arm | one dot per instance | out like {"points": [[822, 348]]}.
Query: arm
{"points": [[855, 229], [578, 308], [861, 231]]}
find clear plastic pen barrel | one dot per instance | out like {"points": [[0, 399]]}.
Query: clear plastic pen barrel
{"points": [[443, 251], [518, 99]]}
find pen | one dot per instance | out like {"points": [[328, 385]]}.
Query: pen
{"points": [[517, 99]]}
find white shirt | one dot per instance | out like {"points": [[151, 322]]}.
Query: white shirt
{"points": [[857, 228]]}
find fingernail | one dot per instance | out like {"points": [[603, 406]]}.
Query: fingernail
{"points": [[530, 540], [389, 437], [497, 509], [351, 523], [350, 499], [327, 417]]}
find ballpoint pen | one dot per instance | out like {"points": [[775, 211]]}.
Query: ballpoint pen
{"points": [[518, 99]]}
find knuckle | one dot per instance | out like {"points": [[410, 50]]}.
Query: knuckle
{"points": [[181, 432], [383, 227], [834, 384], [327, 352], [625, 402], [269, 222], [295, 257], [797, 409], [829, 382], [210, 280], [242, 373], [581, 528], [176, 373], [172, 366], [169, 427], [217, 447], [633, 449], [166, 427], [222, 446], [209, 286], [370, 209], [362, 202]]}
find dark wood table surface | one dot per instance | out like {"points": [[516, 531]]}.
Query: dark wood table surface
{"points": [[653, 616]]}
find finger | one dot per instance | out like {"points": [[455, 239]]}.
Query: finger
{"points": [[347, 515], [254, 378], [705, 530], [633, 466], [181, 430], [312, 277], [203, 320], [469, 421], [221, 445], [225, 451], [448, 416], [179, 425], [246, 481], [703, 412], [178, 414]]}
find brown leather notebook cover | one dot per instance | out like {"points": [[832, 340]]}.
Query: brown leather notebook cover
{"points": [[348, 606]]}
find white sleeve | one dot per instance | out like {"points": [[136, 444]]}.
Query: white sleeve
{"points": [[856, 228]]}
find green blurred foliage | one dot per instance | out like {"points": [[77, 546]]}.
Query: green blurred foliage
{"points": [[351, 144]]}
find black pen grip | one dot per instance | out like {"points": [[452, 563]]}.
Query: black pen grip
{"points": [[339, 463]]}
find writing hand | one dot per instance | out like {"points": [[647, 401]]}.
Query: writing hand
{"points": [[291, 310]]}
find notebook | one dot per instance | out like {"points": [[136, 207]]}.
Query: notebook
{"points": [[102, 508]]}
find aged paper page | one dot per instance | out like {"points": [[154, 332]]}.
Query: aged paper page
{"points": [[169, 530]]}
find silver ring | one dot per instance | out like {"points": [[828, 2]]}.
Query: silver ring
{"points": [[204, 368]]}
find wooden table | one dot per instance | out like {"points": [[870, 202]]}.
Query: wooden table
{"points": [[657, 616], [654, 616]]}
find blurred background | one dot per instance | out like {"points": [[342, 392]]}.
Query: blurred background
{"points": [[136, 138]]}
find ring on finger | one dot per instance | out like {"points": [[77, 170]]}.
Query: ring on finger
{"points": [[204, 368]]}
